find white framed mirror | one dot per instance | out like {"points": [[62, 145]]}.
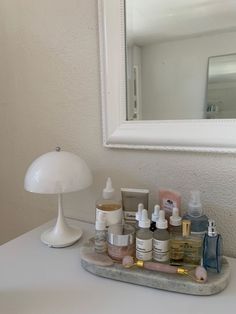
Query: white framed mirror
{"points": [[203, 135]]}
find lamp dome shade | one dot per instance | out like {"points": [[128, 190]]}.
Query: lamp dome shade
{"points": [[57, 172]]}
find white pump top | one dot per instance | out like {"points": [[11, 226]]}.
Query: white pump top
{"points": [[194, 205], [144, 222], [138, 214], [155, 214], [108, 191], [161, 222], [175, 219], [100, 223]]}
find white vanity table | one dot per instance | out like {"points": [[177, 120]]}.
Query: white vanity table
{"points": [[37, 279]]}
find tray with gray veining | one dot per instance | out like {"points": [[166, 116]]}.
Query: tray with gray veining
{"points": [[153, 279]]}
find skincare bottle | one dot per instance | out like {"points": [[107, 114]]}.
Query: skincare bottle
{"points": [[155, 216], [138, 215], [199, 221], [212, 248], [168, 200], [100, 234], [144, 238], [186, 249], [108, 206], [175, 223], [161, 239]]}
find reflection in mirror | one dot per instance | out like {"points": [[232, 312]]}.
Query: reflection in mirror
{"points": [[168, 46], [221, 89]]}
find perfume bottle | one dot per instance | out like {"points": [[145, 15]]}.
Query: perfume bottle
{"points": [[212, 248], [186, 249]]}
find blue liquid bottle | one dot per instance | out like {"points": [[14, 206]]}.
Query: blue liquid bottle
{"points": [[212, 248]]}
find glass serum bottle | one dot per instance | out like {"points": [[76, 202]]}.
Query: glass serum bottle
{"points": [[144, 238], [175, 224], [186, 249], [100, 241], [161, 239], [212, 248], [138, 215]]}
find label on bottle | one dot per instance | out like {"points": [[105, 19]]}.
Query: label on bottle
{"points": [[144, 249], [161, 250], [112, 217]]}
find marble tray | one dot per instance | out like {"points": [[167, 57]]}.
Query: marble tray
{"points": [[170, 282]]}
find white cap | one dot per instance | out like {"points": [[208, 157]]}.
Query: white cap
{"points": [[108, 191], [100, 223], [155, 214], [144, 222], [138, 214], [175, 219], [161, 222]]}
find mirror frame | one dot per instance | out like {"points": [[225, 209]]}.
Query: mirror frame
{"points": [[214, 135]]}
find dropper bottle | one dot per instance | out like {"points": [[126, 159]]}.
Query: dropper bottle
{"points": [[199, 221], [138, 215], [155, 216], [161, 239], [144, 238], [110, 207], [175, 224]]}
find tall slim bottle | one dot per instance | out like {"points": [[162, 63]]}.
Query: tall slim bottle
{"points": [[161, 239], [144, 238], [212, 248]]}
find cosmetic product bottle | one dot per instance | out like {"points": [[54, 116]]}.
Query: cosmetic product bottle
{"points": [[130, 200], [186, 250], [121, 241], [168, 200], [199, 221], [155, 216], [161, 239], [212, 248], [100, 234], [175, 223], [110, 207], [144, 238], [138, 215]]}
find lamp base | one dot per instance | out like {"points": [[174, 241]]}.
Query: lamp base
{"points": [[53, 239]]}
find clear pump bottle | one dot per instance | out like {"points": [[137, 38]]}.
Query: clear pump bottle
{"points": [[161, 239], [212, 248], [199, 221], [144, 238], [155, 216]]}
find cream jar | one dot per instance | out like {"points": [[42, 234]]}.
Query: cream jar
{"points": [[121, 241]]}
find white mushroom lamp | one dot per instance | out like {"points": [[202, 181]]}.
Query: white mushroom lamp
{"points": [[58, 172]]}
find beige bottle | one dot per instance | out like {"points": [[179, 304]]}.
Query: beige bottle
{"points": [[110, 207]]}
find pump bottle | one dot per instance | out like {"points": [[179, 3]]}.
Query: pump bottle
{"points": [[199, 221]]}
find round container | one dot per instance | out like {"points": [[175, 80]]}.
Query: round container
{"points": [[112, 211], [121, 241]]}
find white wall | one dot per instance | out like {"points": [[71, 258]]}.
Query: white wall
{"points": [[174, 75], [50, 95]]}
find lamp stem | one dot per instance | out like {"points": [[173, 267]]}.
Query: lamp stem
{"points": [[61, 224]]}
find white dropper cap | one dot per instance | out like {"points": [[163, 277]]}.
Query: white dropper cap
{"points": [[138, 214], [155, 214], [144, 222], [108, 191], [194, 205], [161, 222], [100, 223], [175, 219]]}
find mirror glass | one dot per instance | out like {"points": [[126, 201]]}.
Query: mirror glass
{"points": [[168, 45]]}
